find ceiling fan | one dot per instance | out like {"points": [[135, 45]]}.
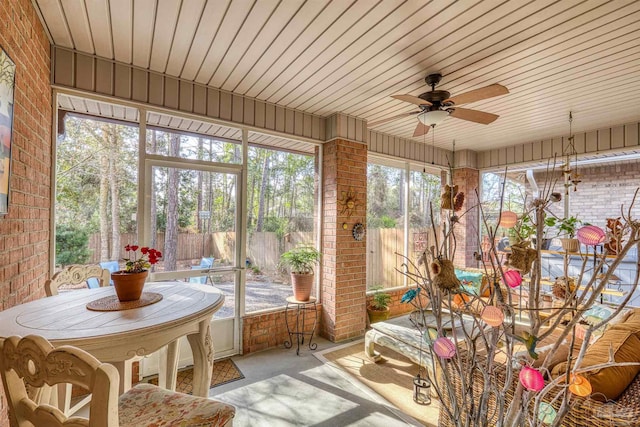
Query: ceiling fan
{"points": [[437, 105]]}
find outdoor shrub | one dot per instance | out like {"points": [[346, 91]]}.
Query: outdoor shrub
{"points": [[72, 245]]}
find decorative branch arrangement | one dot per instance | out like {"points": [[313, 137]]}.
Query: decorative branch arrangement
{"points": [[484, 354]]}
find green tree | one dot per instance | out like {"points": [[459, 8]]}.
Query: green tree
{"points": [[72, 245]]}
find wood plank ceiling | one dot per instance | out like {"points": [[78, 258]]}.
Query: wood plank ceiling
{"points": [[323, 56]]}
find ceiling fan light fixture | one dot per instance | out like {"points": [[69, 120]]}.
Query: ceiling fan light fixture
{"points": [[433, 118]]}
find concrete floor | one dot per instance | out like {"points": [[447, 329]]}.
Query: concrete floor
{"points": [[281, 389]]}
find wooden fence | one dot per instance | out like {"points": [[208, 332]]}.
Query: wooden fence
{"points": [[383, 247], [264, 249]]}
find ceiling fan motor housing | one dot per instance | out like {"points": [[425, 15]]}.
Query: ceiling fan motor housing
{"points": [[435, 97]]}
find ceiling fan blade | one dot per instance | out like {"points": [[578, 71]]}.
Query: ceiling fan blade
{"points": [[412, 99], [388, 119], [478, 94], [421, 129], [473, 115]]}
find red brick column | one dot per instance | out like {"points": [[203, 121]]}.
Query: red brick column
{"points": [[467, 231], [343, 258], [24, 232]]}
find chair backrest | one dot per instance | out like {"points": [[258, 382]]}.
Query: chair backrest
{"points": [[76, 275], [204, 263], [112, 266], [32, 360]]}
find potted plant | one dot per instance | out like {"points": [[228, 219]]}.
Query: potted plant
{"points": [[300, 262], [378, 308], [522, 231], [550, 231], [567, 227], [130, 281]]}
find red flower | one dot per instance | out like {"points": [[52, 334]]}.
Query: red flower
{"points": [[149, 257]]}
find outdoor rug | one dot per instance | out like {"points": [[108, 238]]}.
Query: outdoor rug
{"points": [[224, 371], [391, 378]]}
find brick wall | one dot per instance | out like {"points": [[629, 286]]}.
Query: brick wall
{"points": [[466, 231], [396, 307], [266, 330], [343, 257], [24, 232], [604, 188]]}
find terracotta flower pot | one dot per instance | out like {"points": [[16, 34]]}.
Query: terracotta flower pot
{"points": [[129, 285], [302, 285], [377, 315]]}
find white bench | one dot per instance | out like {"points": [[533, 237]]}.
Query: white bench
{"points": [[400, 335]]}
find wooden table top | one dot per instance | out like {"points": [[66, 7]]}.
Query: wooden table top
{"points": [[64, 317]]}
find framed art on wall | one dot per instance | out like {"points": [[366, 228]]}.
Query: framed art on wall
{"points": [[7, 83]]}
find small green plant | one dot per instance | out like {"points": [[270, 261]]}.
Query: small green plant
{"points": [[381, 300], [523, 230], [300, 260], [568, 226]]}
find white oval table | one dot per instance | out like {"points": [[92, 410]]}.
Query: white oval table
{"points": [[186, 309]]}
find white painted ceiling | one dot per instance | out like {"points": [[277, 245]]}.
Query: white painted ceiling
{"points": [[322, 56]]}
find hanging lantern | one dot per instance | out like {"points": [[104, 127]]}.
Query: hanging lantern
{"points": [[531, 378], [444, 348], [546, 413], [492, 316], [580, 386], [590, 235], [508, 219], [513, 278], [421, 390]]}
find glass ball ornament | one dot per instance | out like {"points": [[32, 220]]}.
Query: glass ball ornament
{"points": [[546, 413], [590, 235], [508, 219], [580, 386], [492, 316], [513, 278], [444, 348], [531, 379]]}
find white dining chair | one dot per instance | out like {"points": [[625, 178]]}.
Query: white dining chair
{"points": [[73, 276], [76, 275], [33, 361]]}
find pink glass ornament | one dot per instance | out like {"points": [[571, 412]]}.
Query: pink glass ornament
{"points": [[513, 278], [590, 235], [508, 219], [531, 378], [492, 316], [444, 348]]}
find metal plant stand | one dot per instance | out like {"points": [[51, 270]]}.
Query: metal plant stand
{"points": [[300, 307]]}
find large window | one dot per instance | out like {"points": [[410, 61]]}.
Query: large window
{"points": [[281, 199], [388, 242], [191, 200], [96, 190]]}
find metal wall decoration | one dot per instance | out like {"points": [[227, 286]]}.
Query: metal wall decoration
{"points": [[7, 84]]}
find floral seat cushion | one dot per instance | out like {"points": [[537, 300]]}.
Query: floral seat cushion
{"points": [[148, 405]]}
